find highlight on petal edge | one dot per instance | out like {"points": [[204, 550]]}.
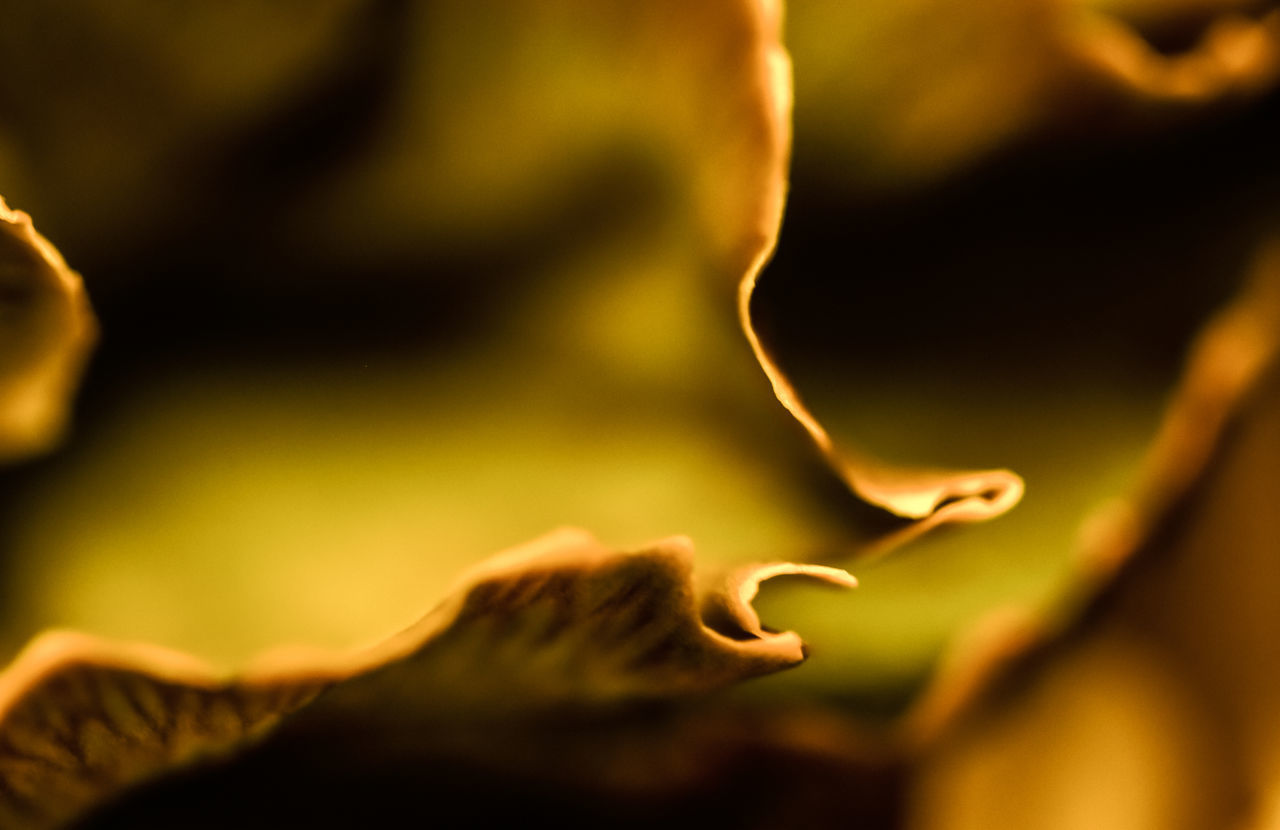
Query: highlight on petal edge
{"points": [[46, 331], [460, 335], [559, 622]]}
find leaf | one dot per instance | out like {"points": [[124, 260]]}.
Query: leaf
{"points": [[561, 622], [46, 330]]}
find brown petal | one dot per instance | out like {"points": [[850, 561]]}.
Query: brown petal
{"points": [[82, 717], [559, 621], [926, 497]]}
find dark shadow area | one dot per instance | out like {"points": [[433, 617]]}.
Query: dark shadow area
{"points": [[345, 778], [1093, 253]]}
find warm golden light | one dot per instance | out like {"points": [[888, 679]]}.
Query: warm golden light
{"points": [[980, 301]]}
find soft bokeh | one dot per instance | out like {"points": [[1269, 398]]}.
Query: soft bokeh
{"points": [[395, 317], [387, 286]]}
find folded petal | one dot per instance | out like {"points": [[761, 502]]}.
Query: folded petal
{"points": [[561, 622]]}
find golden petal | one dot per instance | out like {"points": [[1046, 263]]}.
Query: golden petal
{"points": [[1237, 56], [899, 94], [46, 330], [559, 621], [667, 122], [1229, 363], [1155, 694]]}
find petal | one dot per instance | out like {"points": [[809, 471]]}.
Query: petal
{"points": [[1032, 313], [46, 330], [1159, 700], [529, 242], [559, 622], [905, 94], [1236, 57]]}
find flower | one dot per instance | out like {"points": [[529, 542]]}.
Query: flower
{"points": [[354, 211]]}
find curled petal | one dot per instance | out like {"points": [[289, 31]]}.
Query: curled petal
{"points": [[561, 620], [82, 717], [925, 497], [730, 611]]}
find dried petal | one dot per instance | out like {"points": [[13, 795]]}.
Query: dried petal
{"points": [[930, 497], [81, 718], [1032, 342], [561, 621]]}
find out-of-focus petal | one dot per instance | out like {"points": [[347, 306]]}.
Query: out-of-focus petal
{"points": [[46, 330], [901, 94], [1235, 56], [1156, 708], [1230, 359], [116, 111]]}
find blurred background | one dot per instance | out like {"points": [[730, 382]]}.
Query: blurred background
{"points": [[385, 287]]}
